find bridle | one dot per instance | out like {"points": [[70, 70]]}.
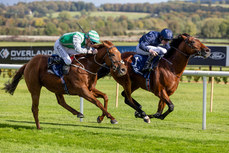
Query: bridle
{"points": [[110, 57], [191, 46]]}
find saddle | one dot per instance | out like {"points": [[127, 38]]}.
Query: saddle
{"points": [[139, 61], [55, 65]]}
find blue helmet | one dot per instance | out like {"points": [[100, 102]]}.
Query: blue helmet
{"points": [[167, 34]]}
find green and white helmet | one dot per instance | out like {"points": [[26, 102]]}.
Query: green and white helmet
{"points": [[94, 36]]}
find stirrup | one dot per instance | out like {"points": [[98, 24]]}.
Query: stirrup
{"points": [[66, 69]]}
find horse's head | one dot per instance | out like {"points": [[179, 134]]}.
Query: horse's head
{"points": [[113, 59], [194, 47]]}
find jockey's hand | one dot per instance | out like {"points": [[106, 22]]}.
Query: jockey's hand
{"points": [[153, 52], [94, 51]]}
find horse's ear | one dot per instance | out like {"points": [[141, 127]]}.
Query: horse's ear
{"points": [[107, 43], [183, 36]]}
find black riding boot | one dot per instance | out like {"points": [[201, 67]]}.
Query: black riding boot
{"points": [[148, 63]]}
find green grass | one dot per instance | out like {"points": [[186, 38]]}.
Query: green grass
{"points": [[181, 131], [130, 15]]}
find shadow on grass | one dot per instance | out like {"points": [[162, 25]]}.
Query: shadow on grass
{"points": [[58, 124], [4, 125]]}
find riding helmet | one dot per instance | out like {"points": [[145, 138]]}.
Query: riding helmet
{"points": [[93, 35], [167, 34]]}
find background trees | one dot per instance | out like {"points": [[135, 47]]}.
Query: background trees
{"points": [[38, 18]]}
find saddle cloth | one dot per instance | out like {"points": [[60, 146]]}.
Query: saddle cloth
{"points": [[138, 63], [55, 65]]}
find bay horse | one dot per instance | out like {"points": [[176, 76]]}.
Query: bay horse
{"points": [[164, 79], [80, 80]]}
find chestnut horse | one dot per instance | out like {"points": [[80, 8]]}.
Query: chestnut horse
{"points": [[165, 78], [81, 79]]}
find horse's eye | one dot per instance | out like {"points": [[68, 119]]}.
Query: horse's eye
{"points": [[111, 54]]}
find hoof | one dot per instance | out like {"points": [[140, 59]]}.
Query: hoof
{"points": [[146, 119], [137, 115], [114, 121], [80, 115], [99, 120]]}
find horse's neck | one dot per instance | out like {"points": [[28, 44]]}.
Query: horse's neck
{"points": [[179, 62], [100, 56]]}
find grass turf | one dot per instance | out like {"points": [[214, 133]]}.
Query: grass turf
{"points": [[181, 131]]}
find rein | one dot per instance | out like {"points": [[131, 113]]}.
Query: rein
{"points": [[186, 55], [107, 53], [82, 67]]}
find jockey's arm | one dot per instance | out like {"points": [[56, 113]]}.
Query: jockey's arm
{"points": [[143, 45], [77, 41]]}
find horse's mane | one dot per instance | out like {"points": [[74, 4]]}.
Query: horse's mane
{"points": [[175, 43]]}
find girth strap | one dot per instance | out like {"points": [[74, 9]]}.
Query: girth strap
{"points": [[148, 81]]}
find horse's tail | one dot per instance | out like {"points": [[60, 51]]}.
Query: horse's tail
{"points": [[11, 86]]}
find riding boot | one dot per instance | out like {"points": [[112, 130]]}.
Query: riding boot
{"points": [[148, 63], [155, 61]]}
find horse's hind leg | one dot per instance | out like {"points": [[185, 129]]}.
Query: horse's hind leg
{"points": [[99, 94], [35, 90], [61, 101], [35, 109]]}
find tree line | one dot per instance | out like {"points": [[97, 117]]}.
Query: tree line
{"points": [[36, 18]]}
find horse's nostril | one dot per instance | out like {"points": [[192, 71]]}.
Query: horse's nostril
{"points": [[123, 70], [114, 68], [207, 50]]}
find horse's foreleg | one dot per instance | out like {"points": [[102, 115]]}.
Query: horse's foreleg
{"points": [[135, 105], [88, 95], [99, 94], [61, 101], [161, 106], [166, 99]]}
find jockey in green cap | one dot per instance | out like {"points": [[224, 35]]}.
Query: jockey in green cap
{"points": [[75, 43]]}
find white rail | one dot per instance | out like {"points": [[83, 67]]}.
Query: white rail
{"points": [[10, 66], [206, 73]]}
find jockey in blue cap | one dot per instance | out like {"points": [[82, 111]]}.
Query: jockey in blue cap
{"points": [[149, 45]]}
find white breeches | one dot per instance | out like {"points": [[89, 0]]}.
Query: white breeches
{"points": [[161, 51], [64, 52]]}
